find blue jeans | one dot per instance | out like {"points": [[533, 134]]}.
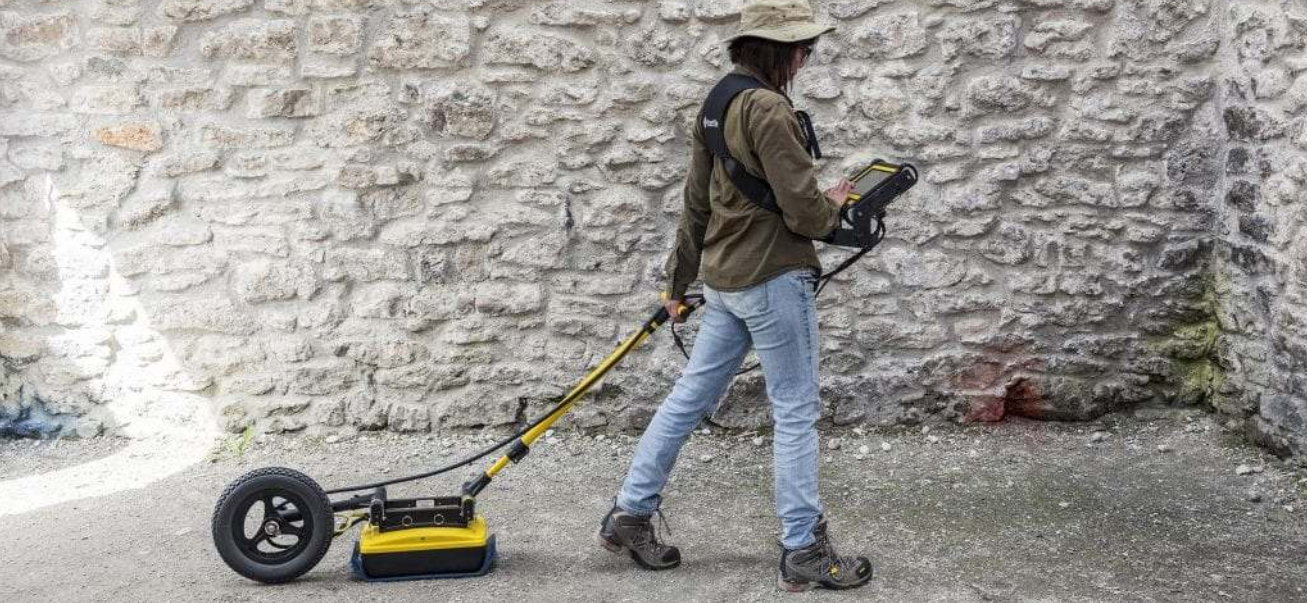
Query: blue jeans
{"points": [[778, 318]]}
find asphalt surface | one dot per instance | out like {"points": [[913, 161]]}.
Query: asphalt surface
{"points": [[1015, 511]]}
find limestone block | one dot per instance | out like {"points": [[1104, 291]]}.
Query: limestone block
{"points": [[214, 314], [997, 93], [481, 406], [1054, 31], [1253, 123], [674, 11], [522, 174], [497, 298], [339, 35], [1030, 128], [852, 9], [345, 217], [408, 418], [255, 40], [234, 137], [568, 14], [370, 122], [993, 38], [365, 265], [717, 10], [658, 47], [542, 51], [220, 355], [460, 108], [1046, 73], [386, 354], [137, 136], [157, 41], [322, 380], [410, 233], [117, 40], [893, 36], [416, 40], [35, 37], [201, 10], [287, 102], [107, 100], [197, 98], [263, 281], [114, 12], [246, 74]]}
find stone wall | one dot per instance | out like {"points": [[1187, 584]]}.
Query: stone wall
{"points": [[414, 215], [1261, 258]]}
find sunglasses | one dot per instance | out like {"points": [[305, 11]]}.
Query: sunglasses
{"points": [[807, 49]]}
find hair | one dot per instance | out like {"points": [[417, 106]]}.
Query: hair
{"points": [[769, 58]]}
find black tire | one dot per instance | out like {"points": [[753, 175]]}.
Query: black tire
{"points": [[294, 508]]}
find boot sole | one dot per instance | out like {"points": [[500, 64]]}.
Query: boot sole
{"points": [[617, 548], [798, 587]]}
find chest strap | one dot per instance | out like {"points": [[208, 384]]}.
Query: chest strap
{"points": [[713, 117]]}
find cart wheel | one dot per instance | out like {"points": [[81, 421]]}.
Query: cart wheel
{"points": [[273, 524]]}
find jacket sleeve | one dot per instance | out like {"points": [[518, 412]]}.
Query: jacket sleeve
{"points": [[682, 266], [777, 140]]}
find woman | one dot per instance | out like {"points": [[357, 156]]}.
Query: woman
{"points": [[759, 268]]}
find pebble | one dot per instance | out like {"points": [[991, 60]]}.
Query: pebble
{"points": [[1243, 470], [932, 439], [1163, 448], [864, 449], [858, 431], [1254, 496], [182, 532], [706, 458], [758, 441], [925, 429], [1288, 508], [884, 446], [833, 445], [1098, 436], [333, 438], [1064, 504]]}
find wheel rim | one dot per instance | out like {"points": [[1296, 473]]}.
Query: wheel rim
{"points": [[263, 533]]}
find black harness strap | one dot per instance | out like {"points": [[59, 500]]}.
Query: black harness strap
{"points": [[713, 117]]}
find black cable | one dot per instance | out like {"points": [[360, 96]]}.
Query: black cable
{"points": [[648, 324], [447, 468]]}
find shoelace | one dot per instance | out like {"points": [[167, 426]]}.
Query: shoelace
{"points": [[649, 535]]}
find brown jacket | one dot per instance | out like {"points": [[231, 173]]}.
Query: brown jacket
{"points": [[724, 236]]}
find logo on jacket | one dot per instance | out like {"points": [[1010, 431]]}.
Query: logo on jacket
{"points": [[709, 123]]}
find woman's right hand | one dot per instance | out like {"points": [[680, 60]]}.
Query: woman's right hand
{"points": [[673, 307], [839, 193]]}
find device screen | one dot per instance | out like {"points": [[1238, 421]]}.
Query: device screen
{"points": [[868, 180]]}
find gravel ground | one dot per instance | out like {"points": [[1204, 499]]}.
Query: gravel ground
{"points": [[1014, 511], [19, 458]]}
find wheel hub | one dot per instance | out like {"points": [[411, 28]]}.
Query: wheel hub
{"points": [[272, 528]]}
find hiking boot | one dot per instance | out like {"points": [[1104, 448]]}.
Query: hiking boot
{"points": [[621, 530], [818, 565]]}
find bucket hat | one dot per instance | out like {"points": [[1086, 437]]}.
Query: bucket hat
{"points": [[779, 20]]}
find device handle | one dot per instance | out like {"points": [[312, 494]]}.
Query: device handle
{"points": [[689, 304]]}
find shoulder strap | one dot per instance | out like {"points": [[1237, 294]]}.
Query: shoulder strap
{"points": [[713, 117]]}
